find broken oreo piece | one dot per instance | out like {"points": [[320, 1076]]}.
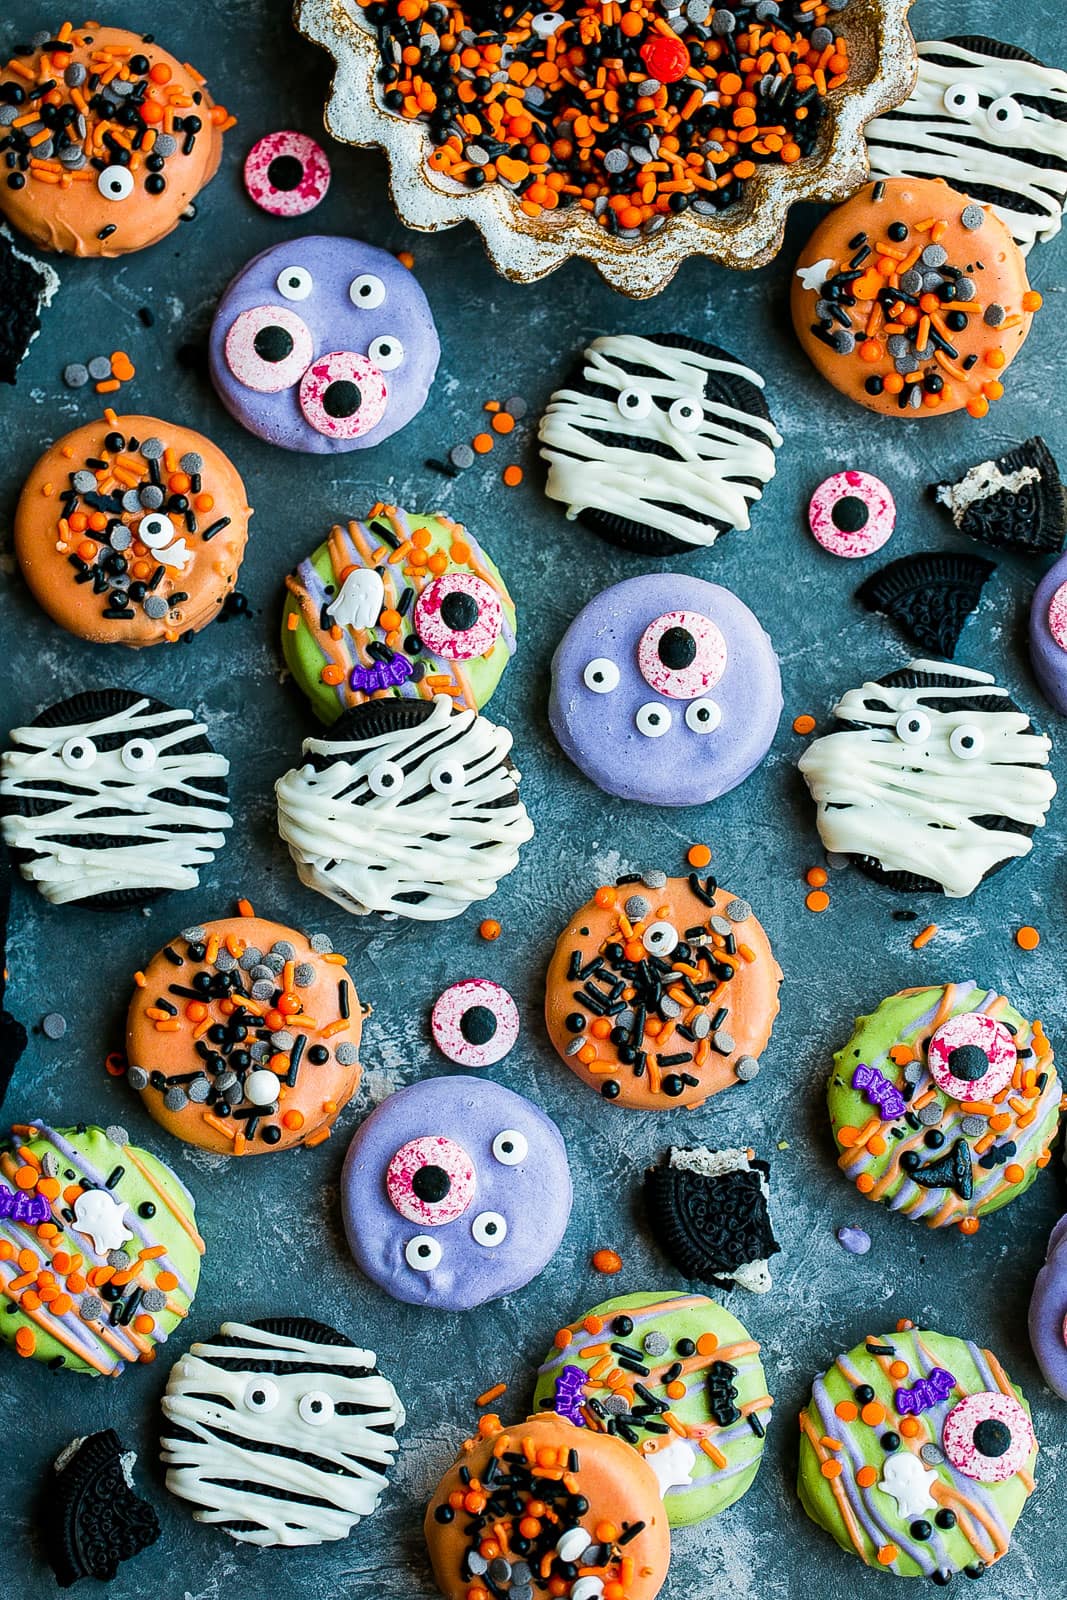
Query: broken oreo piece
{"points": [[1015, 502], [929, 596], [92, 1518], [26, 288], [710, 1215]]}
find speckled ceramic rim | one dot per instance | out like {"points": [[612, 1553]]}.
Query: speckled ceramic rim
{"points": [[525, 248]]}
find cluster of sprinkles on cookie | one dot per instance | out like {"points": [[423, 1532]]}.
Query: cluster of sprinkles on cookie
{"points": [[613, 109]]}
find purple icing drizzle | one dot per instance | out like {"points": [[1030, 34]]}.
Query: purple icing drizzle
{"points": [[879, 1091]]}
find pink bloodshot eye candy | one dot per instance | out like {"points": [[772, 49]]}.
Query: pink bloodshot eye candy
{"points": [[1057, 616], [459, 616], [972, 1056], [431, 1181], [988, 1436], [852, 514], [475, 1023], [287, 173], [682, 654], [343, 395], [267, 348]]}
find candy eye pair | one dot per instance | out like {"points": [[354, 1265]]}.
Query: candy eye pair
{"points": [[966, 740], [685, 414], [262, 1396], [387, 779], [962, 100], [366, 292], [136, 755]]}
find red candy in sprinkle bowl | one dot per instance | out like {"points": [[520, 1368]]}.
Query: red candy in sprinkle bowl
{"points": [[287, 173]]}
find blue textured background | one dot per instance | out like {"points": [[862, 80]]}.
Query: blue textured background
{"points": [[272, 1225]]}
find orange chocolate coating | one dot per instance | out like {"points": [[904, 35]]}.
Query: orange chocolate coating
{"points": [[976, 249], [306, 1004], [207, 571], [615, 1479], [63, 205], [749, 997]]}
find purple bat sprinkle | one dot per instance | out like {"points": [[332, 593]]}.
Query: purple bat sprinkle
{"points": [[929, 1391], [24, 1207], [879, 1091], [382, 675], [570, 1390], [855, 1240]]}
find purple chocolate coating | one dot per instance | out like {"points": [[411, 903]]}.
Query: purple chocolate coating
{"points": [[334, 324], [1049, 659], [680, 767], [1048, 1309], [533, 1196]]}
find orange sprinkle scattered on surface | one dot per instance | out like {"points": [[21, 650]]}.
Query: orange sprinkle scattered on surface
{"points": [[482, 443], [816, 876], [607, 1261], [512, 476], [698, 855], [817, 900], [804, 723], [489, 929], [922, 939], [1027, 938], [406, 259]]}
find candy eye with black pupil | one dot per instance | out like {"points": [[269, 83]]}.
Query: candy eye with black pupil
{"points": [[988, 1437], [1005, 114], [386, 779], [852, 513], [686, 415], [489, 1229], [459, 616], [78, 754], [139, 755], [316, 1408], [387, 352], [510, 1147], [475, 1023], [682, 654], [260, 1395], [268, 348], [961, 100], [430, 1181], [634, 403], [703, 716], [601, 675], [422, 1253], [367, 291], [286, 173], [115, 183], [912, 727], [294, 283], [653, 720], [447, 777], [966, 742]]}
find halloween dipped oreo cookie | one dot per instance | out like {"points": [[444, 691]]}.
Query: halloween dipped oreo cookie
{"points": [[658, 443], [661, 992], [911, 299], [131, 530], [401, 604], [243, 1035]]}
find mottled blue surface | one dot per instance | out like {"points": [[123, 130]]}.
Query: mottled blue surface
{"points": [[273, 1225]]}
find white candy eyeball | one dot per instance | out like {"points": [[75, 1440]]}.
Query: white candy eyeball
{"points": [[660, 938], [156, 530], [386, 352], [545, 23], [510, 1147], [115, 183], [367, 292], [489, 1229], [78, 753], [315, 1408], [139, 755], [260, 1395], [386, 778], [422, 1253], [686, 415], [447, 777], [703, 716], [961, 100], [294, 283], [913, 727], [1005, 114], [636, 403], [653, 719], [967, 741], [601, 675]]}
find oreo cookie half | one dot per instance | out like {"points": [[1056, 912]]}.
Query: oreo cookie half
{"points": [[658, 444], [111, 799], [1015, 502], [26, 288], [946, 783], [92, 1519], [709, 1215], [928, 596], [281, 1432]]}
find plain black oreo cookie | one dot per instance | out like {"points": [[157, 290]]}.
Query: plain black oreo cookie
{"points": [[1030, 518], [26, 287], [91, 1519], [929, 596], [721, 388], [711, 1226], [44, 796]]}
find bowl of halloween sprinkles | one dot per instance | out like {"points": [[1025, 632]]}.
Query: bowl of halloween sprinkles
{"points": [[630, 133]]}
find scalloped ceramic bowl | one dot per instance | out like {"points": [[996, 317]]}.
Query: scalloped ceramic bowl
{"points": [[883, 55]]}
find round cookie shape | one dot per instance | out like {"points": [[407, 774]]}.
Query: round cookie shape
{"points": [[324, 345], [608, 1532], [455, 1192], [934, 1460], [280, 1432], [701, 1366], [408, 808], [131, 530], [1048, 635], [924, 278], [992, 120], [111, 1230], [658, 443], [243, 1035], [403, 604], [1048, 1312], [665, 690], [925, 1131], [83, 193], [934, 781], [697, 992], [111, 799]]}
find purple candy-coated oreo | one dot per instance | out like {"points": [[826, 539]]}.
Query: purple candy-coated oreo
{"points": [[390, 316], [530, 1195], [611, 735], [1047, 655], [1048, 1312]]}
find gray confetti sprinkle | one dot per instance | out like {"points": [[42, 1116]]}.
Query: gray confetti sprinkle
{"points": [[915, 398], [615, 1405], [934, 255], [478, 155], [282, 1040], [100, 368], [616, 160], [637, 907], [8, 115], [154, 1300], [251, 958], [194, 935], [656, 1343], [972, 217], [723, 1042], [225, 962], [176, 1099], [121, 86], [84, 482], [930, 1114], [965, 289], [274, 963], [226, 1081], [262, 971], [911, 282], [654, 880], [75, 75], [461, 456], [152, 449], [54, 1025], [151, 497], [263, 989], [720, 925], [192, 462], [165, 145], [843, 341], [931, 1454], [897, 345], [476, 1563], [137, 1078], [574, 1045], [701, 1025], [821, 37], [346, 1053], [117, 1133], [155, 607], [993, 315], [283, 950], [199, 1090], [766, 9], [500, 1569], [131, 502], [91, 1308], [669, 1008], [836, 861], [73, 157], [321, 943], [117, 1259], [738, 910], [304, 976], [723, 21], [50, 1164], [913, 1072], [747, 1068], [973, 1127]]}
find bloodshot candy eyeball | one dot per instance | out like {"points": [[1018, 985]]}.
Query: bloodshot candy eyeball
{"points": [[324, 345], [852, 514], [475, 1023], [455, 1191], [287, 174], [665, 689]]}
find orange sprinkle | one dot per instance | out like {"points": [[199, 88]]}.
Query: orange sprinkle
{"points": [[607, 1261], [1027, 938], [482, 443], [816, 876], [491, 1394], [922, 939], [804, 723], [698, 855], [489, 929], [817, 900], [512, 476]]}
